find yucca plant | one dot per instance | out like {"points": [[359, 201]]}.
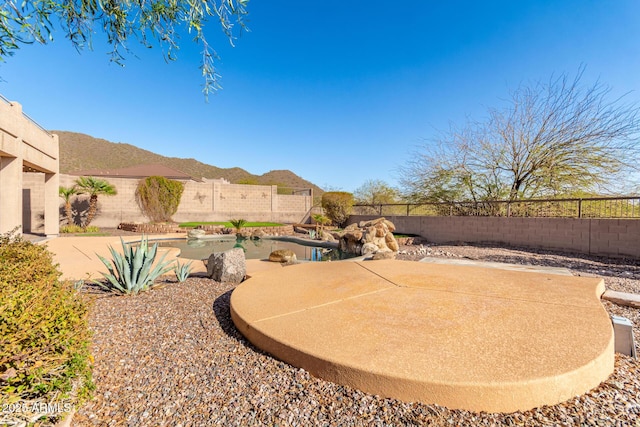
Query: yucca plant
{"points": [[133, 271], [182, 270]]}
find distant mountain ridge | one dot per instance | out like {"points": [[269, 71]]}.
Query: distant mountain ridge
{"points": [[79, 151]]}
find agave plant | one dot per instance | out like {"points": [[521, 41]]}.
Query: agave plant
{"points": [[133, 271], [182, 270]]}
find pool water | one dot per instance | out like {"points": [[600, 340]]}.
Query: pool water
{"points": [[253, 249]]}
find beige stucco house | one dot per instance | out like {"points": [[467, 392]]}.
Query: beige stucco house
{"points": [[25, 147]]}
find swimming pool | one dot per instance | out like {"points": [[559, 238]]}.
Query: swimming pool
{"points": [[253, 249]]}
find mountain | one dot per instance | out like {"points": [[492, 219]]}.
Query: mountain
{"points": [[79, 151]]}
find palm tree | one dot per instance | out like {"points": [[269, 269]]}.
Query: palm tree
{"points": [[66, 193], [93, 187]]}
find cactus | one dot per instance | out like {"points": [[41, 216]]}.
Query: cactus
{"points": [[133, 271]]}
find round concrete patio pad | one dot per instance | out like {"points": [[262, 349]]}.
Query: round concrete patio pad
{"points": [[458, 336]]}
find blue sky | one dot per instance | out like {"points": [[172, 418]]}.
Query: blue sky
{"points": [[339, 92]]}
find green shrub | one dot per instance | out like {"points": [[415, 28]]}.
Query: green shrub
{"points": [[238, 223], [337, 206], [159, 197], [321, 219], [133, 271], [78, 229], [227, 224], [44, 336], [71, 229]]}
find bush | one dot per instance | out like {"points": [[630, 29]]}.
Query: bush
{"points": [[238, 223], [159, 197], [77, 229], [337, 206], [71, 229], [44, 336]]}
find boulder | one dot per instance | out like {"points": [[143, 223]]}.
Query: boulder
{"points": [[245, 233], [228, 266], [327, 237], [369, 237], [196, 233], [258, 234], [391, 242], [351, 227], [384, 255], [369, 248], [283, 255]]}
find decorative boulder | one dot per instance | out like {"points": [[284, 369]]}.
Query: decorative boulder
{"points": [[327, 237], [283, 255], [384, 255], [258, 234], [369, 248], [228, 266], [369, 237], [244, 233], [196, 233]]}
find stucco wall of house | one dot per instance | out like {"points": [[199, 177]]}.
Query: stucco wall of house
{"points": [[25, 146]]}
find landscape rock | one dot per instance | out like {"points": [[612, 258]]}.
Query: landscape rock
{"points": [[369, 237], [384, 255], [196, 233], [369, 248], [327, 237], [258, 234], [283, 255], [228, 266], [244, 233], [351, 227]]}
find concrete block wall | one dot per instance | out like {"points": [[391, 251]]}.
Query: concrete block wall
{"points": [[112, 210], [201, 201], [607, 237], [196, 197]]}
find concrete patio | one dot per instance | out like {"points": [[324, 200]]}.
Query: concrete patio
{"points": [[459, 336]]}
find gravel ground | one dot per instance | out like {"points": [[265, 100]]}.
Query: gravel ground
{"points": [[619, 274], [172, 357]]}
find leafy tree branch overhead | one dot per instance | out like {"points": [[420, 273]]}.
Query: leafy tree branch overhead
{"points": [[146, 21], [553, 138]]}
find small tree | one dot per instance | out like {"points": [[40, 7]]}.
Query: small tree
{"points": [[337, 206], [375, 192], [552, 138], [94, 187], [66, 193], [238, 223], [159, 197]]}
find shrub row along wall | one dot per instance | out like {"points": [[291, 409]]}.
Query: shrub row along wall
{"points": [[608, 237], [284, 230], [201, 201]]}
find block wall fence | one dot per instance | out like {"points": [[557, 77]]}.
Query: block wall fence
{"points": [[607, 237], [201, 201]]}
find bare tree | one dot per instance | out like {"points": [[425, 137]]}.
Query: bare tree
{"points": [[554, 138]]}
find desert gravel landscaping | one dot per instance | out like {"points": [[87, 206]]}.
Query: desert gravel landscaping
{"points": [[172, 357]]}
